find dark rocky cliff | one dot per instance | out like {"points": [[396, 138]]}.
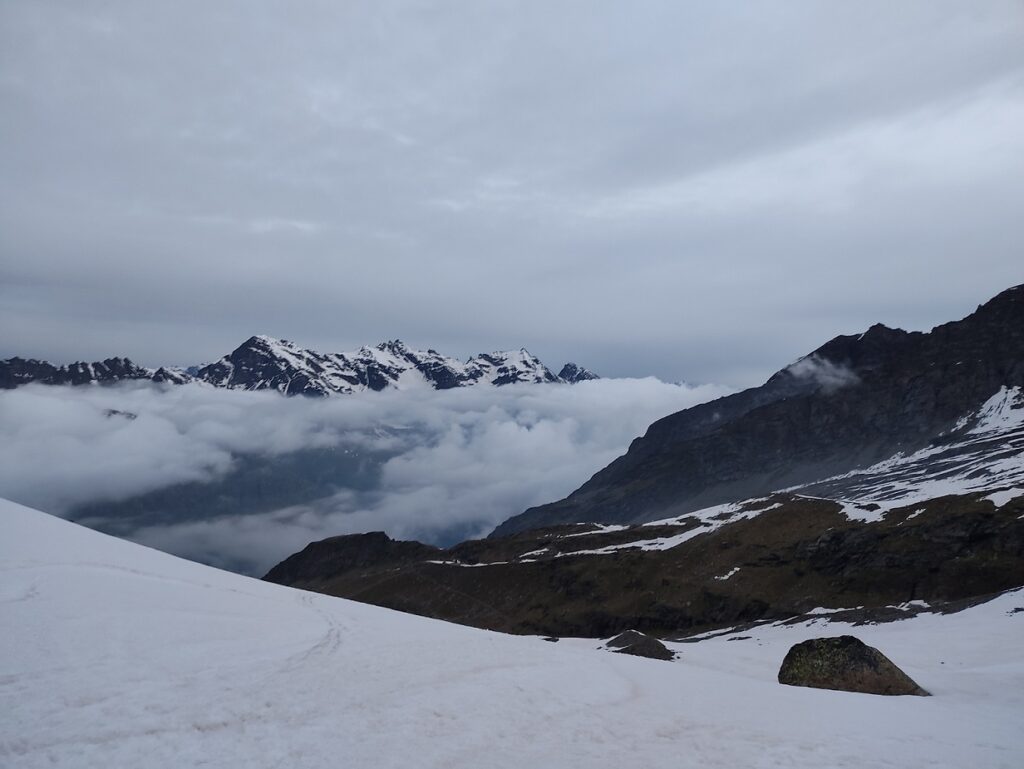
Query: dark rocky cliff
{"points": [[852, 402]]}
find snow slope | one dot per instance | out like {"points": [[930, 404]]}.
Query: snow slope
{"points": [[113, 655], [983, 453]]}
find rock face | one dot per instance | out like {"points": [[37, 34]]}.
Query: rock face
{"points": [[351, 553], [852, 402], [845, 664], [572, 374], [640, 645], [18, 371], [264, 363]]}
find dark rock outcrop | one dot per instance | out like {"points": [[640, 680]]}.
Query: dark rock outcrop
{"points": [[572, 374], [795, 555], [15, 372], [354, 553], [846, 664], [852, 402], [640, 645]]}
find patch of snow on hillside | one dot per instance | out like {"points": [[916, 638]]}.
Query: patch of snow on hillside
{"points": [[1003, 411], [1000, 498], [708, 520], [988, 456]]}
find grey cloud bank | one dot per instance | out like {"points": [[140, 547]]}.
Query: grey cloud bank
{"points": [[444, 461], [692, 190]]}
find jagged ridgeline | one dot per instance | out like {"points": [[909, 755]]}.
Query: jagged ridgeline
{"points": [[853, 402], [264, 363], [884, 471]]}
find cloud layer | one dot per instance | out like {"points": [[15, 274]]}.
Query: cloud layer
{"points": [[455, 461]]}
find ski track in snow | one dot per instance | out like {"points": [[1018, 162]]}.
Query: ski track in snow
{"points": [[116, 655]]}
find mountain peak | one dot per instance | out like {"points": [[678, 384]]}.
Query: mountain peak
{"points": [[856, 401], [396, 346], [572, 373]]}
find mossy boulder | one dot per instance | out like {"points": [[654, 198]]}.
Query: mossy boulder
{"points": [[846, 664], [640, 645]]}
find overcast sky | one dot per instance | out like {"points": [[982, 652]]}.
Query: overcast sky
{"points": [[699, 191]]}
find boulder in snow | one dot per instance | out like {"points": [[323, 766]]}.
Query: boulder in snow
{"points": [[640, 645], [847, 664]]}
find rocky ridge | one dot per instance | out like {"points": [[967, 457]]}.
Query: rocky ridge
{"points": [[265, 363], [853, 402], [759, 561]]}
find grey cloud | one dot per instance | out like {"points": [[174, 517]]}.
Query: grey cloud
{"points": [[453, 463], [684, 189], [828, 375]]}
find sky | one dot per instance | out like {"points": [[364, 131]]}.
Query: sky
{"points": [[696, 191]]}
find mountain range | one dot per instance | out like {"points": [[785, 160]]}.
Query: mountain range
{"points": [[882, 469], [875, 487], [265, 363]]}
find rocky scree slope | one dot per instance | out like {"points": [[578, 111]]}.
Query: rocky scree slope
{"points": [[851, 403]]}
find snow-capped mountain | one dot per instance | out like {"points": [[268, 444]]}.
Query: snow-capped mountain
{"points": [[265, 363], [262, 363]]}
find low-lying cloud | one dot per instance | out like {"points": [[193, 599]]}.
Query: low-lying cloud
{"points": [[828, 375], [447, 462]]}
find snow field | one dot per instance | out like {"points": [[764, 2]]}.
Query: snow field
{"points": [[116, 655]]}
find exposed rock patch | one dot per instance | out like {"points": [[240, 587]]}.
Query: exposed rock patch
{"points": [[640, 645]]}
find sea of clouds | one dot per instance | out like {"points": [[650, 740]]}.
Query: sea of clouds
{"points": [[456, 460]]}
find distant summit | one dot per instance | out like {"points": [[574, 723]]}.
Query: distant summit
{"points": [[265, 363], [19, 371], [572, 373]]}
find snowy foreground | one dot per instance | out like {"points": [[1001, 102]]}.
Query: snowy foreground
{"points": [[114, 655]]}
